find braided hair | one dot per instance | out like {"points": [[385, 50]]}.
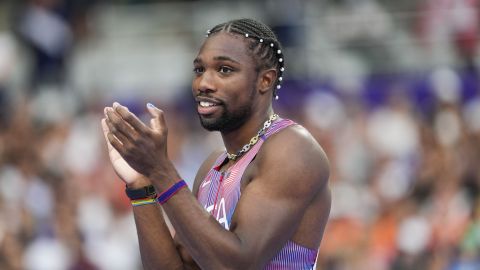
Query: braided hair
{"points": [[263, 43]]}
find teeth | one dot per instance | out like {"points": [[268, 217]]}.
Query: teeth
{"points": [[206, 104]]}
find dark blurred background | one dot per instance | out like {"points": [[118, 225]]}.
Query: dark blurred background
{"points": [[390, 89]]}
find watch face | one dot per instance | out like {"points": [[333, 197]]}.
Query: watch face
{"points": [[150, 190], [141, 193]]}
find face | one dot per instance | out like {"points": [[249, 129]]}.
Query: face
{"points": [[224, 82]]}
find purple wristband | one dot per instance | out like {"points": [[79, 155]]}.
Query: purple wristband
{"points": [[167, 194]]}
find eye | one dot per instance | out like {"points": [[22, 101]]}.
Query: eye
{"points": [[225, 69], [198, 70]]}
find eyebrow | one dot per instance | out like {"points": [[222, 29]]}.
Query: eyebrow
{"points": [[225, 58], [216, 58]]}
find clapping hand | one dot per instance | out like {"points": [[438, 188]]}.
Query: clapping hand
{"points": [[137, 151]]}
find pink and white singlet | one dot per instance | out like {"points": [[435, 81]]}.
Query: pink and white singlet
{"points": [[219, 193]]}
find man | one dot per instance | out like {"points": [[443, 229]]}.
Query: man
{"points": [[261, 203]]}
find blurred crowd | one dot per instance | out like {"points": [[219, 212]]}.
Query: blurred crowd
{"points": [[401, 127], [405, 178]]}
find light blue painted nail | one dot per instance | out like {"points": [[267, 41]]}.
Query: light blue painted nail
{"points": [[150, 105]]}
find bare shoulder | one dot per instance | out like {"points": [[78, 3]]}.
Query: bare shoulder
{"points": [[293, 157], [204, 168]]}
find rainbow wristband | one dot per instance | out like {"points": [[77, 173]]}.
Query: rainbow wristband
{"points": [[167, 194], [143, 201]]}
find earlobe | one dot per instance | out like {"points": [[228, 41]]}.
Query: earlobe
{"points": [[267, 80]]}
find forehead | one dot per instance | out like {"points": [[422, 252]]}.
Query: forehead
{"points": [[225, 44]]}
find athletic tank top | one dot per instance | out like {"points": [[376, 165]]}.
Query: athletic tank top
{"points": [[219, 193]]}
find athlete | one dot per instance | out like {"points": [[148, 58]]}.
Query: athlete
{"points": [[260, 203]]}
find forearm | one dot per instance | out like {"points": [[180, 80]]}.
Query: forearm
{"points": [[209, 244], [157, 248]]}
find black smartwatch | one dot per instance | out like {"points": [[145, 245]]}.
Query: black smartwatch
{"points": [[141, 193]]}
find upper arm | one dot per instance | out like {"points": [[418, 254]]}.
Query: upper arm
{"points": [[291, 170]]}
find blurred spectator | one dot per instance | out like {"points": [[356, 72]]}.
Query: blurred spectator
{"points": [[50, 48], [450, 24], [7, 63]]}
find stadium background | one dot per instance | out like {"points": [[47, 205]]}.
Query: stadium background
{"points": [[389, 88]]}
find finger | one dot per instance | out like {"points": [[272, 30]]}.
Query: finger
{"points": [[158, 122], [116, 124], [124, 140], [105, 132], [104, 127], [130, 118], [115, 143]]}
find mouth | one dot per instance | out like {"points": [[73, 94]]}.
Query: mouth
{"points": [[207, 106]]}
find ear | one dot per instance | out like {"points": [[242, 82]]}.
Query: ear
{"points": [[266, 80]]}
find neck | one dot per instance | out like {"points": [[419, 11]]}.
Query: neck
{"points": [[236, 139]]}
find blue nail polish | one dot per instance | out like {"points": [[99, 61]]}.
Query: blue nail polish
{"points": [[150, 105]]}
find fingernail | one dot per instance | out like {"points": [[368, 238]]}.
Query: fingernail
{"points": [[150, 105], [115, 104]]}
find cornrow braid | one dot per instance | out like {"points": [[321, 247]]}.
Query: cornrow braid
{"points": [[263, 43]]}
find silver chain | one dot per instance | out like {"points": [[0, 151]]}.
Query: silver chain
{"points": [[253, 140]]}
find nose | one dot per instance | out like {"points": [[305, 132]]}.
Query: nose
{"points": [[205, 83]]}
